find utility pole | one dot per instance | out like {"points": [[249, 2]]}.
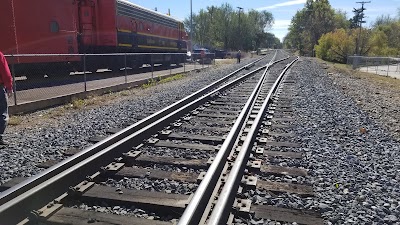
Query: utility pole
{"points": [[240, 33], [191, 28], [360, 13]]}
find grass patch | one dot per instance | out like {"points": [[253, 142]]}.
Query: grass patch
{"points": [[159, 80], [57, 112], [225, 62], [125, 93], [90, 100], [14, 120], [173, 78], [150, 83], [78, 103]]}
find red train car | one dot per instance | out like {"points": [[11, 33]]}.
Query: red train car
{"points": [[38, 27], [86, 26]]}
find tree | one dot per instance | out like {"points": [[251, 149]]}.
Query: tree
{"points": [[309, 24], [341, 19], [398, 13], [355, 21], [256, 25], [385, 37], [202, 20], [271, 41], [296, 28], [383, 20], [222, 25], [217, 27], [382, 40], [335, 46], [379, 43], [323, 48]]}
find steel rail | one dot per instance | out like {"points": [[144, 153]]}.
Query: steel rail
{"points": [[194, 211], [26, 196], [223, 207]]}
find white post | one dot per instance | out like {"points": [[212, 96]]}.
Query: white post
{"points": [[388, 62], [126, 70], [84, 71]]}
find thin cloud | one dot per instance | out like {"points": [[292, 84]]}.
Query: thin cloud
{"points": [[288, 3]]}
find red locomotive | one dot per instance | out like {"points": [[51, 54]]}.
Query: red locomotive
{"points": [[86, 27]]}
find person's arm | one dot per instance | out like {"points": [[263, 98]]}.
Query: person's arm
{"points": [[5, 74]]}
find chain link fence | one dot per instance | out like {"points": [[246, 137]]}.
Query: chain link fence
{"points": [[387, 66], [43, 76]]}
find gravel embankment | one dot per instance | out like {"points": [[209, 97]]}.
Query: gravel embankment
{"points": [[354, 162], [378, 95], [45, 134]]}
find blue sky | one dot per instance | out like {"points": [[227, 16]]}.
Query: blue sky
{"points": [[283, 10]]}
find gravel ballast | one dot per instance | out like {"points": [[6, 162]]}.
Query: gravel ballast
{"points": [[354, 163]]}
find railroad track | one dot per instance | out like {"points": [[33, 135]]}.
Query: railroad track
{"points": [[197, 161]]}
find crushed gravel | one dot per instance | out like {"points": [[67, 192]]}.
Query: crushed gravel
{"points": [[166, 186], [354, 162], [132, 211], [177, 152], [377, 95]]}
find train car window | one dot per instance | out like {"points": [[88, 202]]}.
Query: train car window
{"points": [[54, 27]]}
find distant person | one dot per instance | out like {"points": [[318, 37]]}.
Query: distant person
{"points": [[238, 56], [6, 87]]}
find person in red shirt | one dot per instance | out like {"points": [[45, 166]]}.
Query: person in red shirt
{"points": [[6, 88]]}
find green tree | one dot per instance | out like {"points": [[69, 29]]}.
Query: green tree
{"points": [[218, 27], [323, 48], [222, 25], [385, 37], [398, 13], [309, 24], [341, 20], [257, 23], [296, 28], [379, 43], [355, 21], [335, 45], [384, 20]]}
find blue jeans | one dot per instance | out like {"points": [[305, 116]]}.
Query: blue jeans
{"points": [[3, 111]]}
